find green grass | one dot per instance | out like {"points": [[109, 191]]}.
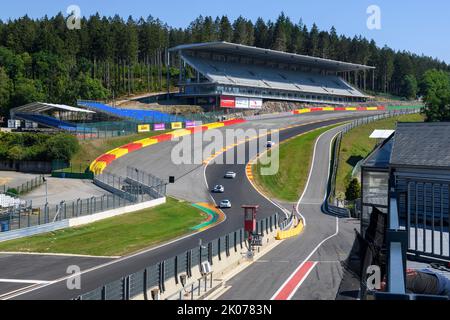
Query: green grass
{"points": [[294, 166], [356, 146], [92, 149], [116, 236]]}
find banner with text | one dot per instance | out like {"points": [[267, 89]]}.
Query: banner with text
{"points": [[177, 125], [159, 126], [240, 102], [144, 128]]}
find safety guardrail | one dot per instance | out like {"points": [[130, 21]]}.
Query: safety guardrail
{"points": [[329, 205], [177, 271]]}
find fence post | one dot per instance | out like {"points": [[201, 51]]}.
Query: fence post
{"points": [[210, 255], [145, 284], [104, 293], [162, 276], [219, 249]]}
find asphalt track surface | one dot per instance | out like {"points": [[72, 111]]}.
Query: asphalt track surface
{"points": [[239, 191], [270, 273]]}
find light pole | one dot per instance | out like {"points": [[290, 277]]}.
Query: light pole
{"points": [[46, 190]]}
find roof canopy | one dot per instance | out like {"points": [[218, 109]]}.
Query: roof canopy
{"points": [[37, 107], [381, 134], [279, 56], [422, 144]]}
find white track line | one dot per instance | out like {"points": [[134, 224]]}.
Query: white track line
{"points": [[323, 241], [23, 281], [109, 263]]}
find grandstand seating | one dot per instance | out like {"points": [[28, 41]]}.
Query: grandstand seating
{"points": [[267, 78], [135, 114], [47, 121]]}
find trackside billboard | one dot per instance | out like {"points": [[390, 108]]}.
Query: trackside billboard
{"points": [[240, 102]]}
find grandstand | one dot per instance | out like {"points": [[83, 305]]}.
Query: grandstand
{"points": [[239, 76], [151, 116], [50, 115]]}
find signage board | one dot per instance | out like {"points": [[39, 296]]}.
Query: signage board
{"points": [[143, 128], [177, 125], [159, 126]]}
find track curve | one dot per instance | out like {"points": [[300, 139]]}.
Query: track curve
{"points": [[242, 192]]}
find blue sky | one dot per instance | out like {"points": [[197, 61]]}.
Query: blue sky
{"points": [[416, 25]]}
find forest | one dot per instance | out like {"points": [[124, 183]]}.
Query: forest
{"points": [[109, 57]]}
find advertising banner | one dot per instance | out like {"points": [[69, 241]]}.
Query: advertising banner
{"points": [[159, 126], [143, 128], [256, 103], [177, 125], [190, 124], [242, 103], [227, 102]]}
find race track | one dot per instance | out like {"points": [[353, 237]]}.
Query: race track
{"points": [[191, 186]]}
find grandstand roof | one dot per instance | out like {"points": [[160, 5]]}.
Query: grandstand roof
{"points": [[37, 107], [284, 57], [228, 73]]}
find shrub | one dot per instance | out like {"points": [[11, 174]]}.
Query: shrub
{"points": [[62, 147], [353, 191]]}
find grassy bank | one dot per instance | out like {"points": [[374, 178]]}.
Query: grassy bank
{"points": [[116, 236], [91, 149], [356, 146], [295, 162]]}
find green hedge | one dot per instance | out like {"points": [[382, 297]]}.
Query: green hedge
{"points": [[37, 147]]}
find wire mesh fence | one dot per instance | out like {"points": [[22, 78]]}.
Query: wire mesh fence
{"points": [[25, 187]]}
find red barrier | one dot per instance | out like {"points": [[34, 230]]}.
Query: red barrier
{"points": [[197, 129], [108, 158], [132, 147], [163, 137], [234, 121]]}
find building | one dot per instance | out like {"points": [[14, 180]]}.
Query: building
{"points": [[412, 167], [231, 75]]}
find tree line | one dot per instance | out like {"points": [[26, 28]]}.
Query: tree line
{"points": [[41, 59]]}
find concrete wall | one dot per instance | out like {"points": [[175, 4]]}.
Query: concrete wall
{"points": [[27, 232], [79, 221]]}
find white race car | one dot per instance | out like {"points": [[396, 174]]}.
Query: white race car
{"points": [[225, 204], [230, 175]]}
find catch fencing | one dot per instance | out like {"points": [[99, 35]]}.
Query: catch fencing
{"points": [[180, 271], [25, 187], [26, 216]]}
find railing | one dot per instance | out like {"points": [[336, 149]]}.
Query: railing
{"points": [[195, 289], [427, 218], [148, 182], [397, 248], [24, 187], [183, 267], [330, 204], [26, 216]]}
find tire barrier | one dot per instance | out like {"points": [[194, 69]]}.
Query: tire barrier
{"points": [[105, 160]]}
